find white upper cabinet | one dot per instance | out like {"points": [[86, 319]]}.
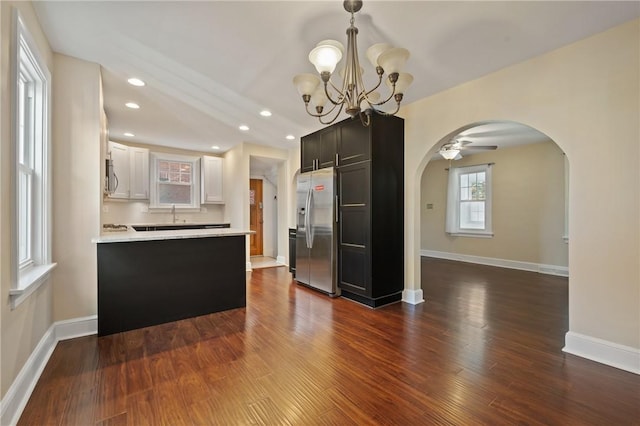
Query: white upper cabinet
{"points": [[131, 169], [211, 188], [120, 155], [138, 173]]}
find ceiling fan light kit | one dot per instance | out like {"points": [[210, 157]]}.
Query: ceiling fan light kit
{"points": [[352, 96], [450, 150], [449, 154]]}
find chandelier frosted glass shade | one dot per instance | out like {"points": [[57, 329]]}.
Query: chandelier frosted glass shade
{"points": [[325, 56], [306, 83], [375, 51], [393, 60], [404, 81], [351, 94]]}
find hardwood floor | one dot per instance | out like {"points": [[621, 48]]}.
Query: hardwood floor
{"points": [[484, 349]]}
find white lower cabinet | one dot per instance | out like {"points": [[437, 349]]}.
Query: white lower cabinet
{"points": [[211, 177]]}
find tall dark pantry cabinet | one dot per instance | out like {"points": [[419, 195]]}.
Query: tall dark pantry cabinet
{"points": [[369, 165]]}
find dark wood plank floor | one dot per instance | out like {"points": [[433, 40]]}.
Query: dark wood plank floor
{"points": [[484, 349]]}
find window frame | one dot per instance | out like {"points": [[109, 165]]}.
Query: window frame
{"points": [[454, 202], [154, 181], [30, 150]]}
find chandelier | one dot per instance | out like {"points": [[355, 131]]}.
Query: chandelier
{"points": [[352, 96]]}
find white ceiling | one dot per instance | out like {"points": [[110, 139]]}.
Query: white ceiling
{"points": [[211, 66]]}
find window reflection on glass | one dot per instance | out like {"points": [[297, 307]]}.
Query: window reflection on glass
{"points": [[174, 194], [175, 180], [472, 200]]}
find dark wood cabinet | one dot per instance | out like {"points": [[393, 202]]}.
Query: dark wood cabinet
{"points": [[309, 151], [354, 224], [371, 206], [292, 251], [318, 149], [328, 147], [370, 185], [355, 140]]}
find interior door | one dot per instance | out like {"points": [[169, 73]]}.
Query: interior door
{"points": [[255, 217]]}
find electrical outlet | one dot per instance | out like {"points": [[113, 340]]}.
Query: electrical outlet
{"points": [[145, 208], [105, 209], [429, 206]]}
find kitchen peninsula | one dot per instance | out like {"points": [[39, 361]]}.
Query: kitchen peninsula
{"points": [[152, 277]]}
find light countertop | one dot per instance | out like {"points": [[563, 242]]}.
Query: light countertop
{"points": [[131, 235]]}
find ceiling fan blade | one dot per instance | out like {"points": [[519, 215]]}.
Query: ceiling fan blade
{"points": [[479, 147]]}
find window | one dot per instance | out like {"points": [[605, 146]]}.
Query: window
{"points": [[469, 201], [175, 181], [32, 210]]}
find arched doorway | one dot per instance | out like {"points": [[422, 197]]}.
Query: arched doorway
{"points": [[516, 219]]}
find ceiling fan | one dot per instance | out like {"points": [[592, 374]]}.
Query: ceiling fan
{"points": [[451, 150]]}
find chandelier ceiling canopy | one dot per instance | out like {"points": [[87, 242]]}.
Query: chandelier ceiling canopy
{"points": [[351, 95]]}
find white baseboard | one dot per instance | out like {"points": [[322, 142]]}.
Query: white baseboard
{"points": [[17, 396], [413, 297], [280, 260], [541, 268], [249, 268], [602, 351]]}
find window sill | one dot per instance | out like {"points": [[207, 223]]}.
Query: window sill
{"points": [[472, 234], [29, 282], [156, 209]]}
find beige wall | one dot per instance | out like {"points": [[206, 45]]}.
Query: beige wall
{"points": [[77, 185], [134, 212], [585, 97], [23, 327], [528, 206]]}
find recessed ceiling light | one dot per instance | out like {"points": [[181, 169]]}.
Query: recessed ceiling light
{"points": [[132, 105], [291, 137], [129, 134], [265, 113], [215, 147], [243, 127], [136, 82]]}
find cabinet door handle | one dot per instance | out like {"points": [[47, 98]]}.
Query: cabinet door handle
{"points": [[337, 158]]}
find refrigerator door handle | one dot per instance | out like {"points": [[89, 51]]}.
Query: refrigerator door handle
{"points": [[306, 219], [310, 218], [337, 207]]}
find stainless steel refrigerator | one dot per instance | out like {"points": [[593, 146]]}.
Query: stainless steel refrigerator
{"points": [[315, 230]]}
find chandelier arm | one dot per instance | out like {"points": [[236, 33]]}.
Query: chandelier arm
{"points": [[334, 118], [387, 114], [340, 94], [323, 114], [367, 114], [365, 94], [393, 93]]}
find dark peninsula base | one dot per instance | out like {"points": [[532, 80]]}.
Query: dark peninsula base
{"points": [[143, 283]]}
